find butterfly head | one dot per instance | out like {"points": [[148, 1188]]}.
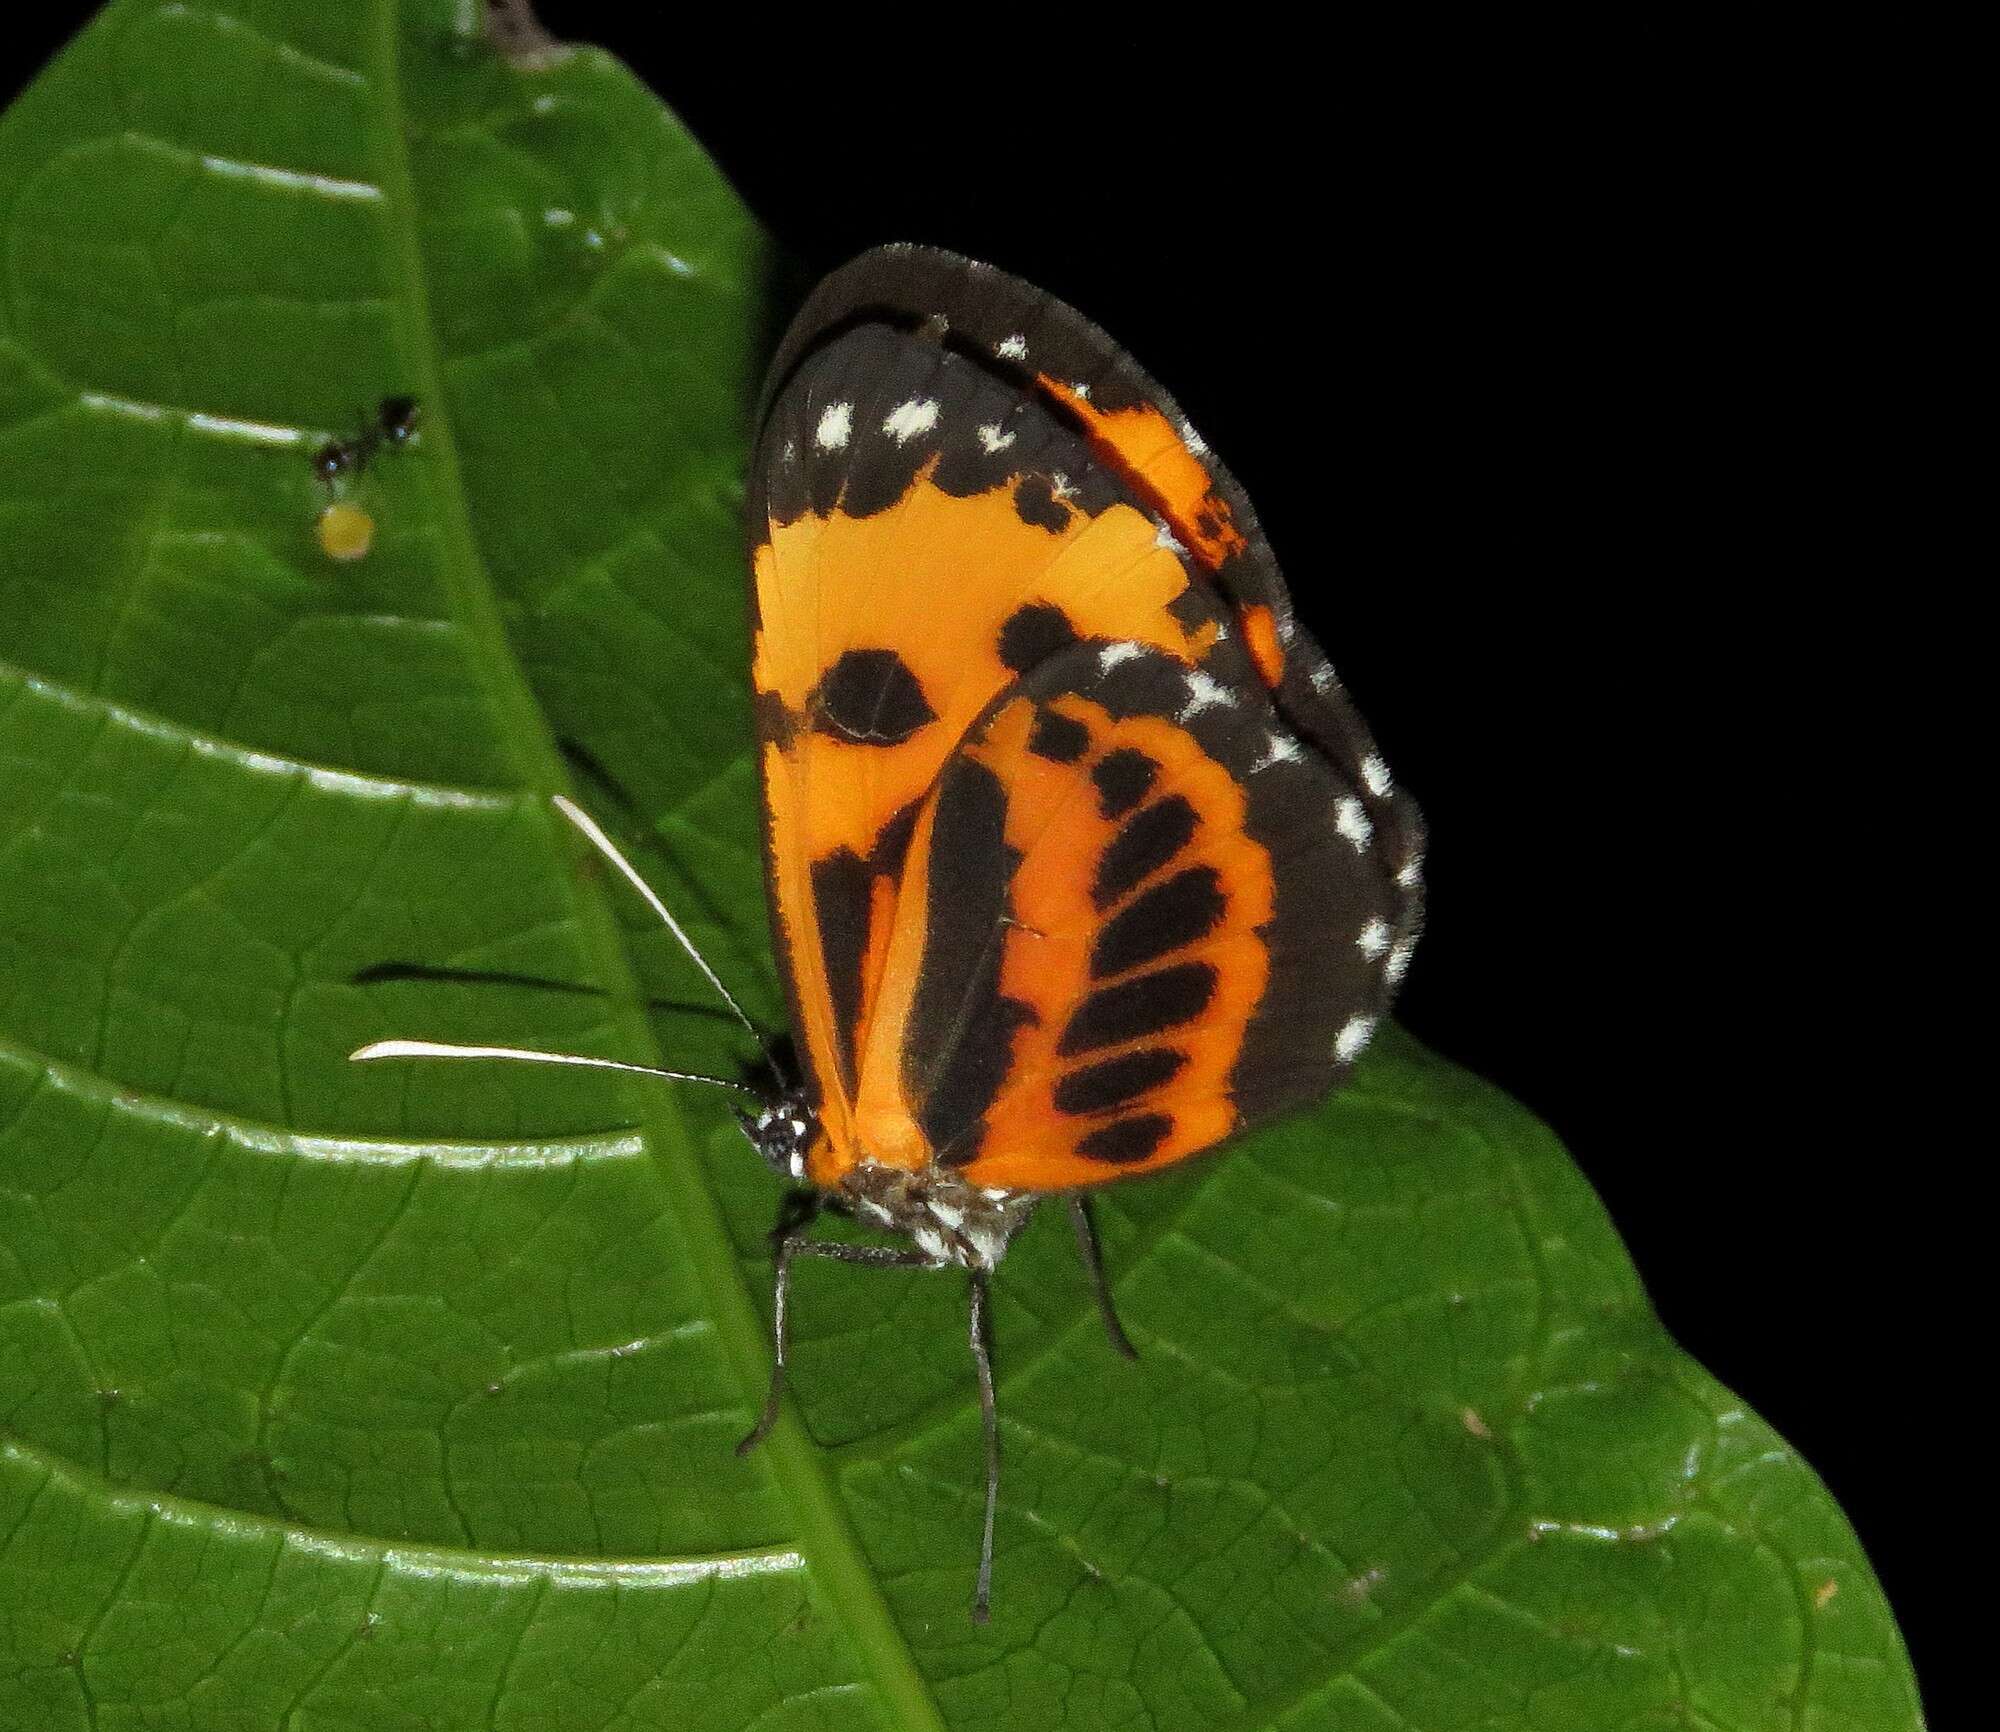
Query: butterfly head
{"points": [[782, 1132]]}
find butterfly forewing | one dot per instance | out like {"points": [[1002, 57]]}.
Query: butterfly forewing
{"points": [[903, 578]]}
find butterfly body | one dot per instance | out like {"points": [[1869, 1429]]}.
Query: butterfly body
{"points": [[949, 1219]]}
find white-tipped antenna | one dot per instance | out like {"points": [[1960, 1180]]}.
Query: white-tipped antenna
{"points": [[609, 849], [528, 1055]]}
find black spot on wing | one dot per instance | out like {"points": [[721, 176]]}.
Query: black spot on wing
{"points": [[959, 1046], [1033, 634], [1123, 778], [892, 841], [1115, 1082], [841, 905], [1125, 1140], [1133, 1009], [1168, 917], [1142, 847], [775, 721], [870, 697], [972, 1076], [1060, 739], [1036, 502]]}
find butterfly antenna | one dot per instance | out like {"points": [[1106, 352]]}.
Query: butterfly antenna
{"points": [[529, 1055], [596, 837]]}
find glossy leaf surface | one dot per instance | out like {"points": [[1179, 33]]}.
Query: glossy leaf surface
{"points": [[405, 1396]]}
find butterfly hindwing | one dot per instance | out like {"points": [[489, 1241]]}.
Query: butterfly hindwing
{"points": [[1141, 925]]}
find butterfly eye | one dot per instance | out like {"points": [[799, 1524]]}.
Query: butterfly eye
{"points": [[781, 1133]]}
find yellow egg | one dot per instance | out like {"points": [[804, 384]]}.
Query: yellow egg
{"points": [[345, 531]]}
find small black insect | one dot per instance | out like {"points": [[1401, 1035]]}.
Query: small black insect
{"points": [[334, 459], [396, 419], [394, 423]]}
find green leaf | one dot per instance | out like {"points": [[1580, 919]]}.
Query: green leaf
{"points": [[405, 1396]]}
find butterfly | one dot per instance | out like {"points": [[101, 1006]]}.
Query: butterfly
{"points": [[1079, 861]]}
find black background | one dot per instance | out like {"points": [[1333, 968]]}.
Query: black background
{"points": [[1526, 350]]}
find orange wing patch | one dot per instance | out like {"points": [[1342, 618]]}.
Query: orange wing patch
{"points": [[1143, 447], [1137, 944], [880, 639], [1260, 637], [936, 581], [884, 1124]]}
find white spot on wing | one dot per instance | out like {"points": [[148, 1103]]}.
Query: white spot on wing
{"points": [[836, 425], [1014, 348], [1323, 678], [1375, 773], [993, 439], [1280, 749], [1165, 537], [1351, 821], [1374, 938], [1205, 693], [1113, 653], [1398, 964], [1357, 1033], [1080, 388], [907, 420], [1193, 440], [1412, 872]]}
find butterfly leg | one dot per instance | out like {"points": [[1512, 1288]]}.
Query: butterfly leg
{"points": [[982, 1357], [1092, 1254], [797, 1210], [793, 1242]]}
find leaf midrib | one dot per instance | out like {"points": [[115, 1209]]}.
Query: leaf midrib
{"points": [[825, 1537]]}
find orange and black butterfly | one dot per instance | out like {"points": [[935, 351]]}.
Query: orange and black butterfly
{"points": [[1079, 861]]}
